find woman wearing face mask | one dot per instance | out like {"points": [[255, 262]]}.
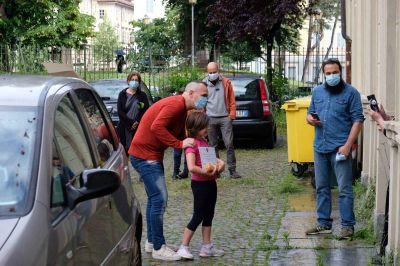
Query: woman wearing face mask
{"points": [[132, 104]]}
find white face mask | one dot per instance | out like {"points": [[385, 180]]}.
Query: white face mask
{"points": [[213, 76]]}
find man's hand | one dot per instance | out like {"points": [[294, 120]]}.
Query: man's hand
{"points": [[345, 150], [312, 121], [378, 118], [188, 142]]}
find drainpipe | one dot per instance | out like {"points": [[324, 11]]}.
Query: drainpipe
{"points": [[348, 42]]}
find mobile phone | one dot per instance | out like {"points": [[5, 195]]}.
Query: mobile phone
{"points": [[373, 103], [315, 116]]}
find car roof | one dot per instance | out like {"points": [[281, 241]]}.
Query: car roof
{"points": [[107, 80], [242, 76], [26, 90]]}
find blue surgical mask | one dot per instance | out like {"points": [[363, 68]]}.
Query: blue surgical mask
{"points": [[134, 84], [201, 103], [213, 76], [333, 79]]}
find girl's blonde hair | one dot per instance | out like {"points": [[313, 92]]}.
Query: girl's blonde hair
{"points": [[196, 122]]}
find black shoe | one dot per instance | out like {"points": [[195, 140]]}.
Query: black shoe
{"points": [[235, 174], [182, 175], [175, 176]]}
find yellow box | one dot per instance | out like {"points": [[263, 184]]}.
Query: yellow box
{"points": [[300, 135]]}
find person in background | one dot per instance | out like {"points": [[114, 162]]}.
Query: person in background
{"points": [[221, 108], [162, 126], [204, 188], [132, 104], [336, 113]]}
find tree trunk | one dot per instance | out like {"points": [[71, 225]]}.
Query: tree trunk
{"points": [[332, 36], [309, 49]]}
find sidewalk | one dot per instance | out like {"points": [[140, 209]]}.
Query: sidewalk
{"points": [[295, 248]]}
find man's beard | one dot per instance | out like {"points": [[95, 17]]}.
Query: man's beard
{"points": [[335, 89]]}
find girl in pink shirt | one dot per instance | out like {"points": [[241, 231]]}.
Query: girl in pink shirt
{"points": [[204, 187]]}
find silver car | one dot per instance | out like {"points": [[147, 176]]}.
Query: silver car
{"points": [[66, 195]]}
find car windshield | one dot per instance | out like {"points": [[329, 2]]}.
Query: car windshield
{"points": [[17, 138], [109, 89], [246, 89]]}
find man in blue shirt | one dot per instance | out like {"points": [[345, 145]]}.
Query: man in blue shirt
{"points": [[336, 113]]}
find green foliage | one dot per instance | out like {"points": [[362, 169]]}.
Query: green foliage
{"points": [[44, 22], [105, 42], [242, 51], [289, 184], [181, 77], [159, 36]]}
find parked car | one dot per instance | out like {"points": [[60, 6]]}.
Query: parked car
{"points": [[66, 195], [108, 89], [254, 117]]}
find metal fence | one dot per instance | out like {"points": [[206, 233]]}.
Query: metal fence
{"points": [[163, 73]]}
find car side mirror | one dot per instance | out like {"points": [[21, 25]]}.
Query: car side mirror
{"points": [[96, 183]]}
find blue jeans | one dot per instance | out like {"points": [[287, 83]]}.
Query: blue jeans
{"points": [[152, 173], [177, 162], [325, 164]]}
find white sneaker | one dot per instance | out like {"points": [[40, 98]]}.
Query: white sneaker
{"points": [[165, 253], [210, 251], [148, 247], [184, 252]]}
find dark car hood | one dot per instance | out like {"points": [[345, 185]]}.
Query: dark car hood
{"points": [[7, 226]]}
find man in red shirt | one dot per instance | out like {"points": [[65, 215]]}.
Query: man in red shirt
{"points": [[162, 126]]}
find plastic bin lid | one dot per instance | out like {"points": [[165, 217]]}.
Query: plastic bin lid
{"points": [[295, 104]]}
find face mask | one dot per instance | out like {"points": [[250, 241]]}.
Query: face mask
{"points": [[213, 76], [333, 79], [134, 84], [201, 103]]}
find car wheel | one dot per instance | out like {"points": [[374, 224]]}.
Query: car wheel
{"points": [[271, 139], [136, 254], [298, 169]]}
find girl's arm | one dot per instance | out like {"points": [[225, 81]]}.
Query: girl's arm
{"points": [[220, 166], [194, 169]]}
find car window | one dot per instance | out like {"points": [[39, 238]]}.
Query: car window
{"points": [[61, 175], [109, 89], [73, 148], [101, 128], [245, 89], [17, 140]]}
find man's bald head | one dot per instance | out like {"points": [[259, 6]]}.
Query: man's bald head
{"points": [[212, 67], [195, 85], [193, 91]]}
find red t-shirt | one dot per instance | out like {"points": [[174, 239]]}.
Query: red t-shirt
{"points": [[195, 150], [162, 126]]}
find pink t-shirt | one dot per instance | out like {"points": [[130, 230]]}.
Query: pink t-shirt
{"points": [[195, 150]]}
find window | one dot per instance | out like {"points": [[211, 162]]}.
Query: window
{"points": [[101, 125], [71, 153], [150, 6], [292, 73], [245, 89], [101, 13]]}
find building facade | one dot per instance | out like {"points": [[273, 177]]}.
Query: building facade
{"points": [[374, 29], [119, 12]]}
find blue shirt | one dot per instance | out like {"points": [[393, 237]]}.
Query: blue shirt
{"points": [[338, 113]]}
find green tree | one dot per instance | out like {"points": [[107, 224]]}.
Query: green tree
{"points": [[241, 51], [159, 36], [106, 42], [204, 34], [44, 22]]}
